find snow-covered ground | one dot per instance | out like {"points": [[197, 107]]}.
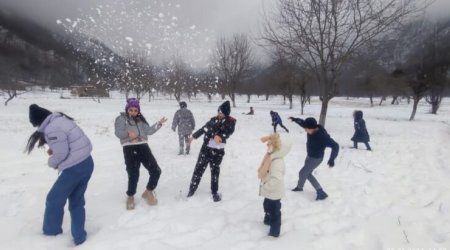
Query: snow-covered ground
{"points": [[396, 197]]}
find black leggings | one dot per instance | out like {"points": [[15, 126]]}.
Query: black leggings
{"points": [[135, 155], [210, 156]]}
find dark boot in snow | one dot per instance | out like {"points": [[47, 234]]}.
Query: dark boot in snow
{"points": [[321, 195], [297, 189], [181, 152], [216, 197]]}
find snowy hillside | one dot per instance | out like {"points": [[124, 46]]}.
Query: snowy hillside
{"points": [[396, 196]]}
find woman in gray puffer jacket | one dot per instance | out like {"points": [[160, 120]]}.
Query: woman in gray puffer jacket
{"points": [[132, 129], [70, 153], [184, 120]]}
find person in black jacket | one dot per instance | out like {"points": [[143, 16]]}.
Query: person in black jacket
{"points": [[317, 140], [361, 134], [216, 132]]}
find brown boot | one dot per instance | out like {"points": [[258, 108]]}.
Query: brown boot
{"points": [[130, 203], [150, 197]]}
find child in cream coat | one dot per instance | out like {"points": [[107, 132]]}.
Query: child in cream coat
{"points": [[271, 173]]}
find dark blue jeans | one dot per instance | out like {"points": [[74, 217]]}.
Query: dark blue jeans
{"points": [[71, 184]]}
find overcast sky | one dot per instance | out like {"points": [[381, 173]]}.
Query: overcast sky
{"points": [[200, 18]]}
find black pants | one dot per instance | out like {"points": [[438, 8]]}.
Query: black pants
{"points": [[355, 145], [281, 125], [183, 139], [210, 156], [272, 217], [135, 155]]}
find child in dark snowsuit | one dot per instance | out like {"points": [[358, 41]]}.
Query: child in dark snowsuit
{"points": [[216, 133], [184, 120], [317, 140], [361, 134], [276, 120]]}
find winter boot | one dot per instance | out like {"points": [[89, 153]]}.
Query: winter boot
{"points": [[130, 203], [321, 195], [297, 189], [267, 219], [150, 197], [181, 151], [188, 149], [216, 197]]}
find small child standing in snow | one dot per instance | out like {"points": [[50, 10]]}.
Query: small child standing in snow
{"points": [[361, 134], [271, 173]]}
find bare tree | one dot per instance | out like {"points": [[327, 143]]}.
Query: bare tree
{"points": [[323, 34], [232, 60]]}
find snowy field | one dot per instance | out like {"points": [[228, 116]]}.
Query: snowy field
{"points": [[396, 197]]}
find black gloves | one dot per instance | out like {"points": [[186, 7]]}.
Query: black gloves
{"points": [[330, 163]]}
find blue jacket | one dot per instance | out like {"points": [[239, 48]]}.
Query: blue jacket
{"points": [[67, 141], [276, 119]]}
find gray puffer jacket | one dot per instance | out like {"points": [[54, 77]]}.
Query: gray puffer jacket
{"points": [[123, 125], [67, 141], [184, 120]]}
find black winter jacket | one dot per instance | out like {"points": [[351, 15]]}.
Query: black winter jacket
{"points": [[317, 142], [361, 134], [223, 128]]}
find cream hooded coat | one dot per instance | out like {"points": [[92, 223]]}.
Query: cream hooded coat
{"points": [[272, 185]]}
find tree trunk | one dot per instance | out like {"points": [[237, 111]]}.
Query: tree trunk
{"points": [[323, 110], [248, 98], [371, 101], [413, 114], [233, 98], [291, 105]]}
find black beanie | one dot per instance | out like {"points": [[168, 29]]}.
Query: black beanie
{"points": [[225, 108], [310, 123], [183, 105], [37, 115]]}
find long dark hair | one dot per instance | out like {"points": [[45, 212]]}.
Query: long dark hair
{"points": [[138, 116], [35, 137]]}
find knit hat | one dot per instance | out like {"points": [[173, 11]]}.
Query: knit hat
{"points": [[37, 115], [224, 108], [183, 105], [310, 123], [132, 103]]}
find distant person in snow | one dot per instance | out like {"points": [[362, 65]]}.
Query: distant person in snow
{"points": [[271, 172], [132, 129], [276, 120], [69, 153], [361, 134], [317, 140], [251, 112], [184, 120], [216, 133]]}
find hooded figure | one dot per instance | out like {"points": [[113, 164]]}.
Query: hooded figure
{"points": [[70, 153], [271, 173], [361, 134], [276, 120], [184, 120], [216, 133]]}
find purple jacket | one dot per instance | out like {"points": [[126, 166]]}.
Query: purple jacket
{"points": [[68, 142]]}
